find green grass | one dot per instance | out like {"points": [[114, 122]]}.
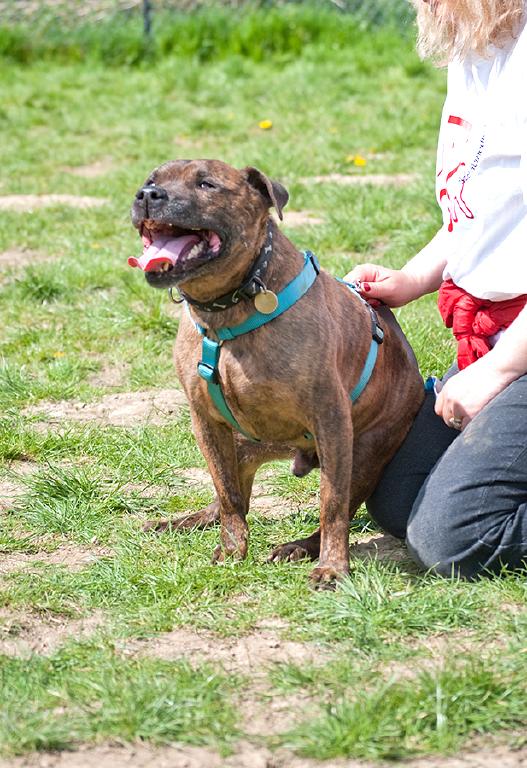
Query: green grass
{"points": [[434, 712], [80, 310], [90, 692], [207, 34]]}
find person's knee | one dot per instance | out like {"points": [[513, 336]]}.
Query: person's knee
{"points": [[435, 544]]}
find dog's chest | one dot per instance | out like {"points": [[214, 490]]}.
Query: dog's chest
{"points": [[263, 392]]}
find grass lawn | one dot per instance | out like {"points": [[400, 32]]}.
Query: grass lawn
{"points": [[109, 635]]}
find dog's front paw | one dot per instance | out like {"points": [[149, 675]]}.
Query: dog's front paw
{"points": [[327, 576], [230, 549]]}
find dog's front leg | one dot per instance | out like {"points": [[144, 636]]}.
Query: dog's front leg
{"points": [[216, 442], [334, 439]]}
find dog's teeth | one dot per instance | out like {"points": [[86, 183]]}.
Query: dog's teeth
{"points": [[195, 250]]}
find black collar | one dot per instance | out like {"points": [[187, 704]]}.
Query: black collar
{"points": [[252, 283]]}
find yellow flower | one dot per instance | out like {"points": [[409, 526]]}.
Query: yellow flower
{"points": [[265, 125], [358, 160], [58, 354]]}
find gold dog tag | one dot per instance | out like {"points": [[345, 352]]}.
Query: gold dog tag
{"points": [[266, 302]]}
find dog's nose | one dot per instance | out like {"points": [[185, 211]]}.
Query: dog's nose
{"points": [[152, 193]]}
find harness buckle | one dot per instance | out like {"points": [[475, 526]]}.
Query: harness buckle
{"points": [[314, 261], [207, 372], [378, 334]]}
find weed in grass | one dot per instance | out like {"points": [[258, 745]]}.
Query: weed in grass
{"points": [[72, 501]]}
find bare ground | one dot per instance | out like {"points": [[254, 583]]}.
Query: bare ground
{"points": [[28, 634], [110, 375], [27, 203], [9, 493], [301, 219], [71, 556], [380, 546], [125, 409], [10, 487], [91, 170], [15, 258], [250, 654], [245, 756]]}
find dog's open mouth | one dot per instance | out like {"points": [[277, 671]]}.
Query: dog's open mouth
{"points": [[173, 248]]}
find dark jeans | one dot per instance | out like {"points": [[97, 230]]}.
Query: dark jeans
{"points": [[460, 498]]}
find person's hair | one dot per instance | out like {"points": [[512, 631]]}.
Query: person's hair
{"points": [[451, 29]]}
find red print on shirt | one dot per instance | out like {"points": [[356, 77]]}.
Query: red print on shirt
{"points": [[453, 181]]}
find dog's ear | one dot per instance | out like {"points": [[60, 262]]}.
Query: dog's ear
{"points": [[272, 191]]}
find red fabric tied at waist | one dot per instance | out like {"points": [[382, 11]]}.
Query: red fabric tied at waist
{"points": [[474, 321]]}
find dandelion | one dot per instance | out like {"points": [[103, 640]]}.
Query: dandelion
{"points": [[357, 160], [265, 125]]}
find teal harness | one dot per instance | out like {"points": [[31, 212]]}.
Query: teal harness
{"points": [[210, 350]]}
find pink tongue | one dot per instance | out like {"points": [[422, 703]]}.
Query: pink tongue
{"points": [[162, 250]]}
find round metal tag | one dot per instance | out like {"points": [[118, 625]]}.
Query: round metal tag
{"points": [[266, 302]]}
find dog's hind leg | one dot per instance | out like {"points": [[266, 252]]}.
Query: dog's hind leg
{"points": [[299, 549], [250, 456], [204, 518]]}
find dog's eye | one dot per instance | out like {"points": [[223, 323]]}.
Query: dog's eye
{"points": [[206, 185]]}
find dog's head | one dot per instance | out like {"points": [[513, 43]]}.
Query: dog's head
{"points": [[201, 216]]}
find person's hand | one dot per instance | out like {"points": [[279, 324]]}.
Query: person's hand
{"points": [[380, 285], [465, 394]]}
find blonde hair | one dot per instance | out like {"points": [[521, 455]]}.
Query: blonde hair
{"points": [[451, 29]]}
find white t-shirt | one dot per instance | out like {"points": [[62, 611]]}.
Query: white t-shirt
{"points": [[481, 181]]}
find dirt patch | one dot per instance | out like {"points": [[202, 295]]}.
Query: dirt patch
{"points": [[362, 180], [71, 556], [10, 487], [251, 654], [27, 203], [380, 546], [92, 170], [18, 259], [24, 635], [245, 756], [110, 375], [140, 756], [301, 219], [486, 758], [9, 493], [125, 409]]}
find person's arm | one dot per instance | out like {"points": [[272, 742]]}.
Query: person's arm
{"points": [[466, 393], [422, 274]]}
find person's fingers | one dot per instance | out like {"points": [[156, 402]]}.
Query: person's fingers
{"points": [[453, 416], [362, 272]]}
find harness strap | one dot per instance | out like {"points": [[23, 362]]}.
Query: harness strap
{"points": [[377, 335], [208, 370], [210, 350]]}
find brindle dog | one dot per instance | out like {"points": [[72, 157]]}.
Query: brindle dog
{"points": [[287, 383]]}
